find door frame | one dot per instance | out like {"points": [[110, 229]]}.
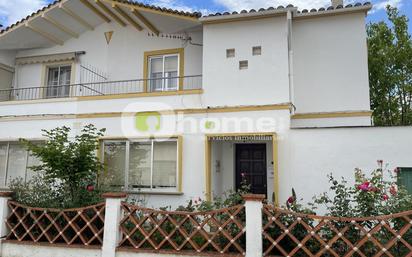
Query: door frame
{"points": [[208, 165]]}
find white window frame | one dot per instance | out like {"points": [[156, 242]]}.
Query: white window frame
{"points": [[127, 164], [6, 163], [165, 81], [49, 86]]}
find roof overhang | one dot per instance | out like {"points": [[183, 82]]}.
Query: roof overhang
{"points": [[66, 19], [280, 11], [244, 16]]}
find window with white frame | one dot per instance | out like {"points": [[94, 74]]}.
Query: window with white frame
{"points": [[141, 165], [58, 81], [15, 162], [163, 72]]}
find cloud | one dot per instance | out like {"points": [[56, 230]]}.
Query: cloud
{"points": [[382, 5], [179, 5], [12, 11]]}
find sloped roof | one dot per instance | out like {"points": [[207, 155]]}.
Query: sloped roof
{"points": [[281, 7], [132, 3]]}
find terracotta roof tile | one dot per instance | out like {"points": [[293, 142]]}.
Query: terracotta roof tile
{"points": [[192, 14], [330, 8], [153, 7]]}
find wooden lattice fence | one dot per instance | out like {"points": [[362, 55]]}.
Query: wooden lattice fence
{"points": [[291, 234], [218, 232], [80, 226]]}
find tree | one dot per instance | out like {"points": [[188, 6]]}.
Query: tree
{"points": [[390, 70], [71, 165]]}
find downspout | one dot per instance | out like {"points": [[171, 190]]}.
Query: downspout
{"points": [[290, 62]]}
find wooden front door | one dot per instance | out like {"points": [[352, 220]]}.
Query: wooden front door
{"points": [[251, 167]]}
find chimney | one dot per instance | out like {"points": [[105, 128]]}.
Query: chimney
{"points": [[336, 3]]}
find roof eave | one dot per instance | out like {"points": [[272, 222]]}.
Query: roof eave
{"points": [[246, 16], [347, 10]]}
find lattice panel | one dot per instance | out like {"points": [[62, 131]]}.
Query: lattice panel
{"points": [[289, 234], [82, 226], [219, 232]]}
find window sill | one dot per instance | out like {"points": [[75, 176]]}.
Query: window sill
{"points": [[153, 193], [143, 94]]}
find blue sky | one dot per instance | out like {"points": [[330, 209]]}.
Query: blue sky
{"points": [[11, 11]]}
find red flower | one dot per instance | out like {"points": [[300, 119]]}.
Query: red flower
{"points": [[365, 186], [291, 200], [90, 188], [385, 197]]}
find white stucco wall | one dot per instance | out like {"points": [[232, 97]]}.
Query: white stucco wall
{"points": [[330, 64], [331, 122], [193, 143], [308, 155], [266, 79], [26, 250], [122, 59]]}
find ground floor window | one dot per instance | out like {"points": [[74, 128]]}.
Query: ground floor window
{"points": [[405, 178], [141, 165], [15, 161]]}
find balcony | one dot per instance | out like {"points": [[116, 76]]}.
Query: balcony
{"points": [[127, 88]]}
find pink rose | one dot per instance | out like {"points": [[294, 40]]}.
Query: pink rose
{"points": [[291, 200], [393, 190], [385, 197], [365, 186]]}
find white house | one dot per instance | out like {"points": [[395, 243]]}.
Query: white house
{"points": [[194, 105]]}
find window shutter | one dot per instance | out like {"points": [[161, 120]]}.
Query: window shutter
{"points": [[405, 178]]}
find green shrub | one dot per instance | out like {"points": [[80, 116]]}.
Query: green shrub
{"points": [[67, 175]]}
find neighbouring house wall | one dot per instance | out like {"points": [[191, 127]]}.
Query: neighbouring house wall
{"points": [[122, 59], [266, 79], [308, 155], [330, 64]]}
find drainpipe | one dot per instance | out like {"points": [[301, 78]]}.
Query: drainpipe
{"points": [[290, 61]]}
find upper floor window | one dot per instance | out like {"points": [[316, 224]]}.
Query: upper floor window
{"points": [[58, 81], [164, 70]]}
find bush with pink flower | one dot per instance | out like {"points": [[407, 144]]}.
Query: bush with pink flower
{"points": [[373, 195]]}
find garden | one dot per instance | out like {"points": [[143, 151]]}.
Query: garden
{"points": [[62, 204]]}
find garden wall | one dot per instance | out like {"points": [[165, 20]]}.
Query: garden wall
{"points": [[252, 229]]}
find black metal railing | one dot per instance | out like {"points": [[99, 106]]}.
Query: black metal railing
{"points": [[103, 88]]}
